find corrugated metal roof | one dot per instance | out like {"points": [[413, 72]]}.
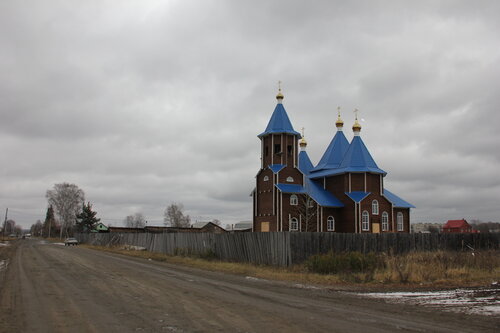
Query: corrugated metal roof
{"points": [[397, 201], [357, 196], [456, 224], [334, 153], [279, 122]]}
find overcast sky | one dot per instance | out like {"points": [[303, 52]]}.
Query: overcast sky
{"points": [[145, 103]]}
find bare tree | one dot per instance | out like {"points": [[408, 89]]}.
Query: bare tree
{"points": [[174, 216], [216, 222], [67, 200], [307, 210], [135, 221], [36, 229]]}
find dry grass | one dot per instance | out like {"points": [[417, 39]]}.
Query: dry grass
{"points": [[422, 269]]}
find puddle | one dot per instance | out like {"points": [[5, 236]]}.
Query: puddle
{"points": [[4, 244], [485, 301]]}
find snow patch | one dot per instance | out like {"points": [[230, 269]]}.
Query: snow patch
{"points": [[485, 301], [4, 264]]}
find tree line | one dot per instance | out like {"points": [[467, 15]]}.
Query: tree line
{"points": [[68, 213]]}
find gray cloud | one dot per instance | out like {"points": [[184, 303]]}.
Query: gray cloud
{"points": [[143, 104]]}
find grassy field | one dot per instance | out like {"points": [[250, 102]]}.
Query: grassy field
{"points": [[427, 270]]}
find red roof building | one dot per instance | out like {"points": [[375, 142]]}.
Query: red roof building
{"points": [[458, 226]]}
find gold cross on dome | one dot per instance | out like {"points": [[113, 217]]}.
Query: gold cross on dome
{"points": [[338, 109], [302, 129], [356, 113], [279, 85]]}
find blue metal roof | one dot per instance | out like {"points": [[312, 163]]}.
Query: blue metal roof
{"points": [[358, 159], [322, 196], [397, 201], [291, 188], [305, 164], [334, 153], [357, 196], [279, 123], [275, 168]]}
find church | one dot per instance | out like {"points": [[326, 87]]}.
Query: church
{"points": [[344, 192]]}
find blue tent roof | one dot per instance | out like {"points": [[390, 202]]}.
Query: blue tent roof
{"points": [[322, 196], [357, 196], [356, 159], [275, 168], [290, 188], [334, 153], [397, 201], [305, 164], [279, 122]]}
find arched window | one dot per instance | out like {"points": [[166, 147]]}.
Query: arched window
{"points": [[289, 179], [330, 223], [294, 224], [310, 203], [385, 221], [294, 201], [266, 178], [365, 221], [401, 226], [375, 207]]}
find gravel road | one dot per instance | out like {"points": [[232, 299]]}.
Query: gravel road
{"points": [[53, 288]]}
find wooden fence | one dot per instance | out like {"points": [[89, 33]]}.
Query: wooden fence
{"points": [[284, 249]]}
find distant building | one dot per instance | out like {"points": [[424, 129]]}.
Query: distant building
{"points": [[344, 192], [426, 227], [458, 226], [100, 227]]}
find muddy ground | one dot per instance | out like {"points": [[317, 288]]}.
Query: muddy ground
{"points": [[53, 288]]}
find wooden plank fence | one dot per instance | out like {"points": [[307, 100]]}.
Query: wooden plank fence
{"points": [[284, 249]]}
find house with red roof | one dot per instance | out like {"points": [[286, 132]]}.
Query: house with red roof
{"points": [[458, 226]]}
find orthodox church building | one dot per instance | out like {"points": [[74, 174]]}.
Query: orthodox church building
{"points": [[344, 192]]}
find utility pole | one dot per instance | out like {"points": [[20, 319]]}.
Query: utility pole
{"points": [[5, 222]]}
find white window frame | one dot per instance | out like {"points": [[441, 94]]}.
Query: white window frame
{"points": [[266, 178], [375, 207], [289, 179], [365, 221], [294, 224], [294, 200], [400, 222], [385, 221], [330, 223], [311, 203]]}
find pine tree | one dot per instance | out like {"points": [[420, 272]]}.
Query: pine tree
{"points": [[49, 225], [86, 220]]}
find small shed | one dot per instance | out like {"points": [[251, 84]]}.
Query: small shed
{"points": [[100, 227]]}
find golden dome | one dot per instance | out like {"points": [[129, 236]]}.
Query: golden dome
{"points": [[280, 95], [357, 126], [303, 142], [339, 122]]}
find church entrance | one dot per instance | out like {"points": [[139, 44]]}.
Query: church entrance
{"points": [[376, 228]]}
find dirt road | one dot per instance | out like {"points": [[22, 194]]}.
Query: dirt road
{"points": [[53, 288]]}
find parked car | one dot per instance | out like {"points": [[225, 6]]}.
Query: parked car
{"points": [[70, 241]]}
